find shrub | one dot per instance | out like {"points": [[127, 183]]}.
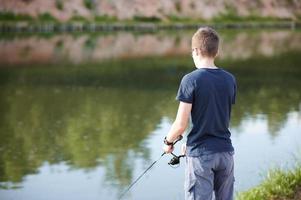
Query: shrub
{"points": [[146, 19], [105, 18], [8, 16], [178, 6], [59, 4], [88, 4], [46, 17], [78, 18]]}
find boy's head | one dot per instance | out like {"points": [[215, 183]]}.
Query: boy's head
{"points": [[205, 42]]}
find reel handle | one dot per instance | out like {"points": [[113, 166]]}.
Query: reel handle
{"points": [[178, 139]]}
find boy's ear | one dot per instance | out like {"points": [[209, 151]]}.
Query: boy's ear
{"points": [[217, 53], [198, 51]]}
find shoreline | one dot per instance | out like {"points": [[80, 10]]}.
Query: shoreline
{"points": [[54, 27], [279, 184]]}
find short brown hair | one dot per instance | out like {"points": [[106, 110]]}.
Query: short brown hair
{"points": [[207, 40]]}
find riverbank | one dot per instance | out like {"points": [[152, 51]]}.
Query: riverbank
{"points": [[10, 22], [278, 185], [15, 27]]}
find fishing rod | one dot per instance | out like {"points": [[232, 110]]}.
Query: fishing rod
{"points": [[174, 161]]}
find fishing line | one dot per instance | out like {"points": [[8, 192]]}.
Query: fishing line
{"points": [[140, 176], [175, 160]]}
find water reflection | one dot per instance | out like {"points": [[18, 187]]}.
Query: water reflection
{"points": [[101, 113], [80, 48], [80, 126]]}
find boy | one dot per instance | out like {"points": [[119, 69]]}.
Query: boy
{"points": [[207, 94]]}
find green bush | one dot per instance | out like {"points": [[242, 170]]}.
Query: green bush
{"points": [[88, 4], [175, 18], [178, 6], [59, 4], [105, 18], [46, 17], [146, 19], [8, 16], [78, 18]]}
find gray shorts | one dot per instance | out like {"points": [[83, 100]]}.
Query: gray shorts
{"points": [[210, 176]]}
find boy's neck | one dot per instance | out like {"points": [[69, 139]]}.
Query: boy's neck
{"points": [[205, 63]]}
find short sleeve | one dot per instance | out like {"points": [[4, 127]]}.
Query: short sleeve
{"points": [[186, 90], [234, 93]]}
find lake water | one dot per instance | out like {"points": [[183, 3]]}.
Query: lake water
{"points": [[83, 115]]}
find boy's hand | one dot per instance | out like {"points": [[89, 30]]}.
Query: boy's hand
{"points": [[168, 148]]}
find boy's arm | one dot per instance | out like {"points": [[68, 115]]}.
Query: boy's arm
{"points": [[179, 125]]}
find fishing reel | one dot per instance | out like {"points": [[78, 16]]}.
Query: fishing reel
{"points": [[175, 161]]}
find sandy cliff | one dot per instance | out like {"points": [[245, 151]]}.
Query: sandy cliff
{"points": [[163, 9]]}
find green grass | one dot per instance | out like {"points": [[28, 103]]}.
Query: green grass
{"points": [[278, 184], [78, 18], [105, 18], [185, 20], [230, 17]]}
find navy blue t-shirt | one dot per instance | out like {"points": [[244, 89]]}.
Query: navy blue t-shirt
{"points": [[211, 93]]}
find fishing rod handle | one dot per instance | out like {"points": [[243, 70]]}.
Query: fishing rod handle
{"points": [[180, 137]]}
